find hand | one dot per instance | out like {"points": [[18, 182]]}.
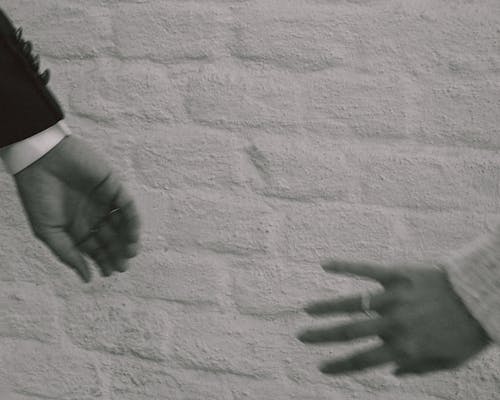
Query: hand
{"points": [[422, 324], [68, 192]]}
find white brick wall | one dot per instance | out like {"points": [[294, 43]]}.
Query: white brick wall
{"points": [[257, 137]]}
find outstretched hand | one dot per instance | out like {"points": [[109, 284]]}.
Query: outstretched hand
{"points": [[422, 324], [77, 206]]}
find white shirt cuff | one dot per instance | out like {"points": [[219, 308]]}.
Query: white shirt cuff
{"points": [[18, 156]]}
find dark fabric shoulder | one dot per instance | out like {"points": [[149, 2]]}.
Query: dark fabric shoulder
{"points": [[6, 26], [27, 106]]}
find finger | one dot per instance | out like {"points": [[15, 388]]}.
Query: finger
{"points": [[119, 224], [380, 273], [93, 248], [89, 246], [378, 302], [131, 250], [104, 264], [359, 361], [112, 193], [126, 220], [110, 244], [63, 247], [424, 367], [129, 241], [105, 235], [115, 220], [347, 332]]}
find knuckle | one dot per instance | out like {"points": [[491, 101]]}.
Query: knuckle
{"points": [[38, 233], [403, 295]]}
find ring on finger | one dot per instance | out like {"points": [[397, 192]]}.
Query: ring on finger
{"points": [[366, 305]]}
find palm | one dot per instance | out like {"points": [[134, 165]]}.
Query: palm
{"points": [[54, 205], [65, 194], [423, 325]]}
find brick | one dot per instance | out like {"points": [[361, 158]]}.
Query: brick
{"points": [[427, 178], [313, 233], [175, 276], [301, 169], [243, 388], [228, 344], [118, 325], [74, 30], [420, 38], [169, 31], [32, 262], [188, 156], [373, 106], [451, 90], [15, 396], [49, 371], [261, 287], [235, 98], [433, 235], [457, 110], [246, 389], [109, 88], [218, 222], [137, 381], [28, 311], [292, 35]]}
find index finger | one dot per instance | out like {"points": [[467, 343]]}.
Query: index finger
{"points": [[381, 273]]}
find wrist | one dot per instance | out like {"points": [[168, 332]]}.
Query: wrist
{"points": [[20, 155]]}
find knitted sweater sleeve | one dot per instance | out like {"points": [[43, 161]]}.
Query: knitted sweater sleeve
{"points": [[474, 273]]}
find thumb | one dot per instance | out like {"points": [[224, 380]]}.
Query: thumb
{"points": [[63, 247]]}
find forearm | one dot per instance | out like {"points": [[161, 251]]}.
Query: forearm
{"points": [[474, 273]]}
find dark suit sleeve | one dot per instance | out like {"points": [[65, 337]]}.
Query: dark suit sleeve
{"points": [[27, 106]]}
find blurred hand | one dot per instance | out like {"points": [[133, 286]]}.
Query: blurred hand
{"points": [[422, 324], [70, 191]]}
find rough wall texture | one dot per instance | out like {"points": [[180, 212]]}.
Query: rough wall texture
{"points": [[258, 137]]}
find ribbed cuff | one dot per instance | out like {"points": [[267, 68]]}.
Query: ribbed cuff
{"points": [[474, 273], [19, 155]]}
